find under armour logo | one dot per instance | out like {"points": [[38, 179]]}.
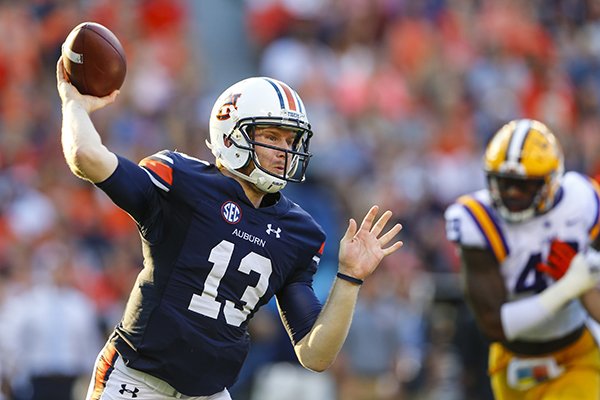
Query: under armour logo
{"points": [[133, 392], [275, 231]]}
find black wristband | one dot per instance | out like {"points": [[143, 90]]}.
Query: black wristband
{"points": [[349, 278]]}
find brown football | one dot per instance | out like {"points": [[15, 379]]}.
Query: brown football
{"points": [[94, 59]]}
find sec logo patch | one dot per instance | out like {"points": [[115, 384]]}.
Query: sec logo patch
{"points": [[231, 212]]}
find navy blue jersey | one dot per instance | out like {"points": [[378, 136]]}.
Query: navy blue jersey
{"points": [[210, 261]]}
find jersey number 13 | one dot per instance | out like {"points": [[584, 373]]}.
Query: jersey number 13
{"points": [[206, 303]]}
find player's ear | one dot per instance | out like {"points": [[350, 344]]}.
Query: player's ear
{"points": [[226, 141]]}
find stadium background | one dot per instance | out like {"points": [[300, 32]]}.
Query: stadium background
{"points": [[402, 96]]}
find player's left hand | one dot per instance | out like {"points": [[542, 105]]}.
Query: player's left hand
{"points": [[362, 249], [559, 259]]}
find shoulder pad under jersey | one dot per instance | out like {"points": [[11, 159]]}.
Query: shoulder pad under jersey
{"points": [[160, 166], [582, 194], [471, 222]]}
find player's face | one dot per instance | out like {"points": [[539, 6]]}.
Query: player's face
{"points": [[518, 194], [275, 161]]}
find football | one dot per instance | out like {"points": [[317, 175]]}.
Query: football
{"points": [[94, 59]]}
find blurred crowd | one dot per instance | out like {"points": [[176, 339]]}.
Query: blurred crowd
{"points": [[402, 96]]}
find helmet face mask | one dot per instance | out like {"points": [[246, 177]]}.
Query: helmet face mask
{"points": [[517, 198], [240, 112], [296, 156], [524, 165]]}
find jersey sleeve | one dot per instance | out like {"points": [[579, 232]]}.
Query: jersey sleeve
{"points": [[130, 188], [159, 168], [298, 304], [299, 308], [592, 208], [306, 273], [582, 196], [470, 223]]}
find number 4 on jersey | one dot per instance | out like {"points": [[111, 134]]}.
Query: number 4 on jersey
{"points": [[531, 280]]}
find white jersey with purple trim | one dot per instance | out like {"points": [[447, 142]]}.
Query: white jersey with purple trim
{"points": [[472, 222]]}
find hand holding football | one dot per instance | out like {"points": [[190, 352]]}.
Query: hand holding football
{"points": [[94, 59]]}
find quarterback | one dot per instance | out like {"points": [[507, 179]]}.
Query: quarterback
{"points": [[219, 241], [530, 265]]}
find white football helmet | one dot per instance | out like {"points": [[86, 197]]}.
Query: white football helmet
{"points": [[252, 102]]}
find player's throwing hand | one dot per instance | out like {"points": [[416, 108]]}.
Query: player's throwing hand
{"points": [[68, 92]]}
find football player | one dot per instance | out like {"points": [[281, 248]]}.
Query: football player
{"points": [[529, 250], [219, 240]]}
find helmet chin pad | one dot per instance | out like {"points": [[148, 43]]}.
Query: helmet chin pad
{"points": [[266, 182], [263, 181]]}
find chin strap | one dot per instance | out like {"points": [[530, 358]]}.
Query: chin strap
{"points": [[261, 180], [516, 216], [265, 182]]}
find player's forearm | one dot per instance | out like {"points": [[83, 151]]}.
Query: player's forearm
{"points": [[320, 347], [591, 302], [521, 315], [84, 152]]}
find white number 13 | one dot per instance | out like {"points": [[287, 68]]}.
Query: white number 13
{"points": [[207, 304]]}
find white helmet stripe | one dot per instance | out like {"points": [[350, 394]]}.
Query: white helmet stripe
{"points": [[513, 153]]}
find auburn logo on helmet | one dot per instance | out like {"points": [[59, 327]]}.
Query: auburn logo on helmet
{"points": [[230, 105]]}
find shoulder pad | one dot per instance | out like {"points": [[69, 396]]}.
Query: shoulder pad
{"points": [[160, 168], [583, 195], [470, 222]]}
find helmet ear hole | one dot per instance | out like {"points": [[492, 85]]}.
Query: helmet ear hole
{"points": [[234, 154]]}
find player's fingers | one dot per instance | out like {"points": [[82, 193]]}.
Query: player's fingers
{"points": [[548, 270], [60, 70], [389, 235], [111, 97], [545, 269], [61, 74], [367, 221], [351, 231], [568, 252], [560, 259], [380, 224], [555, 259], [560, 251], [96, 103], [562, 248], [389, 250]]}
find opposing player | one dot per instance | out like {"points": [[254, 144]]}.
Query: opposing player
{"points": [[218, 242], [529, 270]]}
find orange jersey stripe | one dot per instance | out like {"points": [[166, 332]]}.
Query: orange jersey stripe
{"points": [[596, 228], [488, 228], [164, 171], [320, 252], [103, 369], [289, 96]]}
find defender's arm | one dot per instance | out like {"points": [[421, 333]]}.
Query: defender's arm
{"points": [[484, 290]]}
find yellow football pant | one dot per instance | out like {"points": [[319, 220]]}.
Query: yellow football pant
{"points": [[580, 380]]}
